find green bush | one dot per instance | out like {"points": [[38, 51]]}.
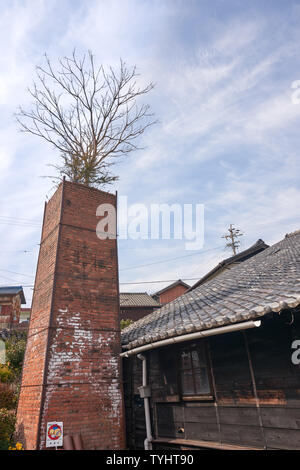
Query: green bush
{"points": [[7, 427], [8, 398], [6, 374], [125, 323], [10, 374], [15, 350]]}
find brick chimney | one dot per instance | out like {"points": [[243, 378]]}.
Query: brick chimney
{"points": [[71, 370]]}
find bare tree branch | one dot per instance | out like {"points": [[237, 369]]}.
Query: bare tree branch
{"points": [[92, 116]]}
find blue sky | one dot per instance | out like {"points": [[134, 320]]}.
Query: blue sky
{"points": [[228, 135]]}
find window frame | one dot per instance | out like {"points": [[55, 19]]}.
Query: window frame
{"points": [[177, 352], [195, 396]]}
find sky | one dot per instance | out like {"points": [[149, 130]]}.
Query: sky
{"points": [[227, 136]]}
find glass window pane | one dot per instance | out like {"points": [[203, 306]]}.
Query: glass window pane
{"points": [[202, 355], [186, 360], [187, 382], [202, 382], [169, 370], [195, 359]]}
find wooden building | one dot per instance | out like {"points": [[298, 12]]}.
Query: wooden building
{"points": [[25, 315], [11, 299], [171, 292], [218, 368], [136, 305]]}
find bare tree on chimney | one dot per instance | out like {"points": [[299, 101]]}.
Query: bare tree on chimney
{"points": [[91, 115]]}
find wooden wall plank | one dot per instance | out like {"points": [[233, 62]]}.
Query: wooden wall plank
{"points": [[286, 418], [202, 431], [242, 416]]}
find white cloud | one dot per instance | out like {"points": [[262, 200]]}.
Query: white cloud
{"points": [[228, 131]]}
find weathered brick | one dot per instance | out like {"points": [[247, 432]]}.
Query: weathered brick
{"points": [[72, 367]]}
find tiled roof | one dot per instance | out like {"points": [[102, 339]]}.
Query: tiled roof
{"points": [[253, 250], [137, 299], [13, 290], [269, 281]]}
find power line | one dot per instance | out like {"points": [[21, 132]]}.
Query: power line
{"points": [[16, 218], [17, 285], [171, 259], [25, 250], [132, 267], [137, 266], [160, 281], [20, 274], [132, 283], [8, 278], [20, 220], [127, 283], [18, 224], [16, 251]]}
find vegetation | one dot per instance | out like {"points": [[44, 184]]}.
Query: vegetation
{"points": [[125, 323], [15, 350], [6, 374], [91, 115], [8, 398], [10, 375], [7, 427], [18, 446]]}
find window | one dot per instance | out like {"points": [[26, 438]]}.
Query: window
{"points": [[169, 367], [184, 373], [193, 372]]}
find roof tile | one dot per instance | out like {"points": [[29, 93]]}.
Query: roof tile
{"points": [[269, 281], [137, 299]]}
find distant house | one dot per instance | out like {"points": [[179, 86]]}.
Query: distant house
{"points": [[219, 368], [171, 292], [11, 299], [25, 315], [136, 305]]}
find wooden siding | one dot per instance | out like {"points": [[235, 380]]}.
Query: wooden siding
{"points": [[256, 393], [135, 313], [172, 294]]}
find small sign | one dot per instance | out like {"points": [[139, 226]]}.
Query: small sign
{"points": [[55, 434]]}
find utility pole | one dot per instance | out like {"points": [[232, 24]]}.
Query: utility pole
{"points": [[233, 234]]}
